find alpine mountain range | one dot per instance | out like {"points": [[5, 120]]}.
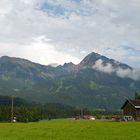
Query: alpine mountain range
{"points": [[97, 82]]}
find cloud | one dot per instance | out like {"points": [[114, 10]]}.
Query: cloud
{"points": [[103, 26], [121, 72], [40, 51], [133, 74], [107, 68]]}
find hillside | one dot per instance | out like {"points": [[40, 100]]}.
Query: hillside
{"points": [[96, 82]]}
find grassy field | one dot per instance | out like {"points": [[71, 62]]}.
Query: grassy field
{"points": [[70, 130]]}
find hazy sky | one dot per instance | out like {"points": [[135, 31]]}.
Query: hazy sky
{"points": [[58, 31]]}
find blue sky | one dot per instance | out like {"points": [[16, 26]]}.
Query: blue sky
{"points": [[53, 9], [59, 31], [57, 8]]}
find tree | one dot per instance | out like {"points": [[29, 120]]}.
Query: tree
{"points": [[137, 96]]}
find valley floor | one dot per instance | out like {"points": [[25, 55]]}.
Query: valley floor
{"points": [[70, 130]]}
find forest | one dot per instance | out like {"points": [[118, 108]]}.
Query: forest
{"points": [[25, 111]]}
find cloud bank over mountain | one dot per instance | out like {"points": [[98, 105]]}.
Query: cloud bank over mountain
{"points": [[72, 28], [121, 72]]}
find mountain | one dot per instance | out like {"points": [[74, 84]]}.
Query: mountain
{"points": [[6, 101], [92, 58], [96, 82]]}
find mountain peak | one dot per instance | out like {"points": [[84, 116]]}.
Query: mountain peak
{"points": [[69, 67], [68, 64], [97, 79], [17, 61], [94, 54], [91, 59], [4, 57]]}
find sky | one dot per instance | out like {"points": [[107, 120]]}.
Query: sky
{"points": [[59, 31]]}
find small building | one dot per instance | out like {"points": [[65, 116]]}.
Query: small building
{"points": [[131, 110], [88, 117]]}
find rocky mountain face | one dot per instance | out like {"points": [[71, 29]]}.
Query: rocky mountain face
{"points": [[91, 59], [96, 82]]}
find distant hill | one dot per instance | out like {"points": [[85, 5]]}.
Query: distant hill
{"points": [[96, 82], [7, 101]]}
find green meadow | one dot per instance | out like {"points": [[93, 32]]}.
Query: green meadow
{"points": [[70, 130]]}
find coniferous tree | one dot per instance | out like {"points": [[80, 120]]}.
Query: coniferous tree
{"points": [[137, 96]]}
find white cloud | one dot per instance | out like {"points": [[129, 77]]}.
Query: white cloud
{"points": [[106, 68], [103, 26], [124, 72], [40, 51], [133, 74], [119, 71]]}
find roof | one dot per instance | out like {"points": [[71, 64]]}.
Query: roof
{"points": [[88, 116], [135, 103]]}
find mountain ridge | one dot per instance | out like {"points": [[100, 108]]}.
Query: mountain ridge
{"points": [[96, 82], [92, 57]]}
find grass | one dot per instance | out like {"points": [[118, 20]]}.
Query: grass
{"points": [[70, 130]]}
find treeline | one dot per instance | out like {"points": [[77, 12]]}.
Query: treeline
{"points": [[30, 112], [137, 95], [22, 114]]}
